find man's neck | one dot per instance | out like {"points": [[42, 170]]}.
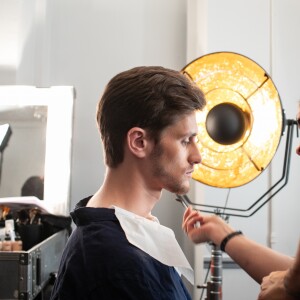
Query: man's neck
{"points": [[127, 191]]}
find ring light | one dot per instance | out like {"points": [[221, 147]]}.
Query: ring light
{"points": [[241, 126]]}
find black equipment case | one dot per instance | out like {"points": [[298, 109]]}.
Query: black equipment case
{"points": [[24, 274], [27, 274]]}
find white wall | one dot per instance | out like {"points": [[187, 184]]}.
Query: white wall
{"points": [[267, 32], [85, 43]]}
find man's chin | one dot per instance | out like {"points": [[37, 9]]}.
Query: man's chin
{"points": [[182, 190]]}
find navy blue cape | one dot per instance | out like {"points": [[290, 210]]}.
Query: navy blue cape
{"points": [[99, 263]]}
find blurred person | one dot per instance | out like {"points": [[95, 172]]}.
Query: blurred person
{"points": [[33, 186]]}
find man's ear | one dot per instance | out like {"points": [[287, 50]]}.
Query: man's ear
{"points": [[137, 142]]}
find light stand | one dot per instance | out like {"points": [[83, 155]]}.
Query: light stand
{"points": [[239, 132], [214, 286]]}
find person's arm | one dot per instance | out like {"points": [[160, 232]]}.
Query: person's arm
{"points": [[257, 260], [292, 278], [272, 287], [282, 285]]}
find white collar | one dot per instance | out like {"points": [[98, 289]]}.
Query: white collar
{"points": [[155, 239]]}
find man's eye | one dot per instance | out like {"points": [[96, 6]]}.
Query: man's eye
{"points": [[192, 139]]}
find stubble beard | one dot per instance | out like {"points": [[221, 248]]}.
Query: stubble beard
{"points": [[171, 183]]}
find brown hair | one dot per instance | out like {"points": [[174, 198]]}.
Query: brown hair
{"points": [[151, 98]]}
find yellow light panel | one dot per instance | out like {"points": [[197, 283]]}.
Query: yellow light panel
{"points": [[227, 77]]}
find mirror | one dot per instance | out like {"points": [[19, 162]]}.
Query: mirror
{"points": [[40, 143]]}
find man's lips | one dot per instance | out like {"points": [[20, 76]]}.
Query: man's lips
{"points": [[190, 172]]}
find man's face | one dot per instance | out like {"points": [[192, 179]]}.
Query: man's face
{"points": [[172, 160]]}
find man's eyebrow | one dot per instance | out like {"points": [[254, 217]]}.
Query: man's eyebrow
{"points": [[188, 134]]}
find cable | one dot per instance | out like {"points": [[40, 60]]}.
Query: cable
{"points": [[225, 206], [205, 280]]}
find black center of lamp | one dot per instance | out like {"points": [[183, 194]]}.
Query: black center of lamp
{"points": [[226, 123]]}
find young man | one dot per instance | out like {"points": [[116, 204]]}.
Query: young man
{"points": [[147, 123], [278, 274]]}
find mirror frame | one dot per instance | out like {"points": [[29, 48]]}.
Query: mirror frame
{"points": [[60, 101]]}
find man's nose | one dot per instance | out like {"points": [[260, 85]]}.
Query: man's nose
{"points": [[195, 157]]}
